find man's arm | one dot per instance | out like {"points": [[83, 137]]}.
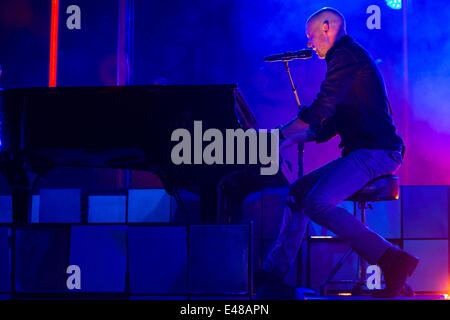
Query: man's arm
{"points": [[327, 130], [341, 72], [294, 132], [311, 124]]}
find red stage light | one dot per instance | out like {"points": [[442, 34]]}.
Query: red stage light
{"points": [[53, 44]]}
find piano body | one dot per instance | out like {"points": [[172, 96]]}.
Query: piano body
{"points": [[126, 127]]}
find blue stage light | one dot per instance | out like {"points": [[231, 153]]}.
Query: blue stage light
{"points": [[394, 4]]}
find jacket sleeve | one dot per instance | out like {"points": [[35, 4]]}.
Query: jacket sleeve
{"points": [[326, 130], [341, 71]]}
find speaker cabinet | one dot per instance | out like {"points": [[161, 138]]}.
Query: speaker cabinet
{"points": [[158, 260], [101, 254], [42, 258], [220, 258]]}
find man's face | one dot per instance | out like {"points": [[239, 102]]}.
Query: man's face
{"points": [[317, 38]]}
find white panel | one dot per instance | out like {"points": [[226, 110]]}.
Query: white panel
{"points": [[106, 208], [5, 209], [425, 211], [385, 218], [60, 205], [148, 205], [432, 271], [36, 199]]}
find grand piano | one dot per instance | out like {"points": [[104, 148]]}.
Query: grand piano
{"points": [[125, 127]]}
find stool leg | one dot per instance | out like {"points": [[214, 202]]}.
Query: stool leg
{"points": [[361, 267], [363, 212], [362, 262], [333, 271]]}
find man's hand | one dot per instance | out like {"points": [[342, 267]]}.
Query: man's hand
{"points": [[295, 132]]}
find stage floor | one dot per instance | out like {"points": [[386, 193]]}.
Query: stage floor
{"points": [[307, 298], [416, 297]]}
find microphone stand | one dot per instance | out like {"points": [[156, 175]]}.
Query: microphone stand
{"points": [[300, 146]]}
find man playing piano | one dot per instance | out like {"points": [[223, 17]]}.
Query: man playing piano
{"points": [[352, 103]]}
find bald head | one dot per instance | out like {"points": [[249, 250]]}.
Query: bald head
{"points": [[323, 29]]}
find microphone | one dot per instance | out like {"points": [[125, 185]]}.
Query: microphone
{"points": [[287, 56]]}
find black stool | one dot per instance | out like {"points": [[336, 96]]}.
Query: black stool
{"points": [[383, 188]]}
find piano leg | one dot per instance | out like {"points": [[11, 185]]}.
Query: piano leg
{"points": [[21, 205], [209, 203], [19, 181], [22, 175], [21, 195]]}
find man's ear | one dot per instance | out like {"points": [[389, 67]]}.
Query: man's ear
{"points": [[326, 26]]}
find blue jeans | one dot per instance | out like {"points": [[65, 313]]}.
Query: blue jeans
{"points": [[316, 195]]}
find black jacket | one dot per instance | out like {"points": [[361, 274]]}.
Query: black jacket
{"points": [[352, 102]]}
